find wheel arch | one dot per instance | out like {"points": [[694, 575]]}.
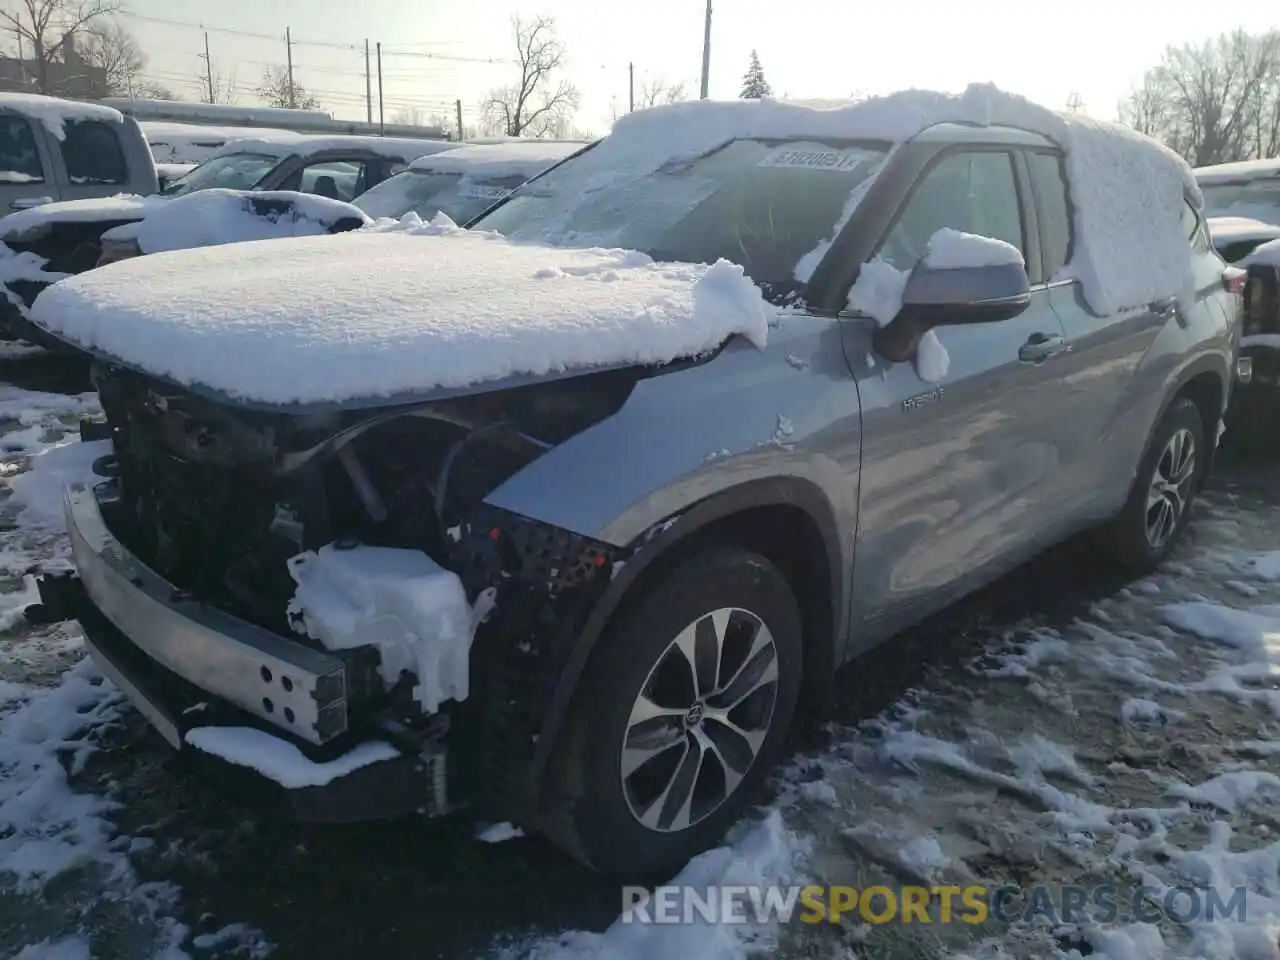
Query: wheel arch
{"points": [[1204, 383], [788, 520]]}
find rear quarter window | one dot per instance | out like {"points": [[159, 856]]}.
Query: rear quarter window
{"points": [[1053, 206]]}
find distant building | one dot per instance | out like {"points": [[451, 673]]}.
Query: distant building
{"points": [[69, 76]]}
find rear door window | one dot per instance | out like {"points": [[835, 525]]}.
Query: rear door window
{"points": [[19, 155], [336, 179], [92, 154], [1053, 207]]}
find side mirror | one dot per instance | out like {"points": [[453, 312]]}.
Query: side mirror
{"points": [[945, 296], [980, 294]]}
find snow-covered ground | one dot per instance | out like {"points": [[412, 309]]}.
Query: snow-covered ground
{"points": [[1128, 739]]}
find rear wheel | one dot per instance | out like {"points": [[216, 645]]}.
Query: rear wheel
{"points": [[685, 707], [1159, 505]]}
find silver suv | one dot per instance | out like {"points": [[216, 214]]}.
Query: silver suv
{"points": [[665, 560]]}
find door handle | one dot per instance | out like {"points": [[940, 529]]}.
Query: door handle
{"points": [[26, 203], [1164, 309], [1040, 347]]}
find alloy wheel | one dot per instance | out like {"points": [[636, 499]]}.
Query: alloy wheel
{"points": [[1170, 489], [699, 720]]}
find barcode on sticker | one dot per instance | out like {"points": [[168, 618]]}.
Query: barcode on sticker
{"points": [[815, 159]]}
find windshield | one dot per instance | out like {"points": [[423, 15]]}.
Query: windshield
{"points": [[1255, 199], [235, 171], [763, 205], [427, 193]]}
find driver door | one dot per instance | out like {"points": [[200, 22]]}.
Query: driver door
{"points": [[952, 467]]}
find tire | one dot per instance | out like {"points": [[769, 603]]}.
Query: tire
{"points": [[618, 824], [1127, 536]]}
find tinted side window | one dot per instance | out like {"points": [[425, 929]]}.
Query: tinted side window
{"points": [[970, 191], [92, 153], [19, 157], [336, 179], [1049, 182]]}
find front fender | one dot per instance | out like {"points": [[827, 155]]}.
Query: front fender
{"points": [[657, 543], [682, 436]]}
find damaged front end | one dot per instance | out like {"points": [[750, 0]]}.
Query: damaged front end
{"points": [[204, 504]]}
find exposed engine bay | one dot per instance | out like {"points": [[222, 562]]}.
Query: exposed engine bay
{"points": [[217, 498]]}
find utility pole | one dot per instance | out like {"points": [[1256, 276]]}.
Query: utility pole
{"points": [[22, 58], [458, 105], [208, 68], [382, 124], [288, 51], [631, 88], [368, 85], [706, 52]]}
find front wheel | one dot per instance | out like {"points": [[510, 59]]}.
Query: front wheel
{"points": [[1159, 505], [685, 707]]}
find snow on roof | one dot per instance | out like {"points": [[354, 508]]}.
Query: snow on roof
{"points": [[523, 158], [286, 143], [1234, 229], [161, 131], [54, 112], [209, 218], [446, 308], [123, 206], [1127, 189], [1240, 170]]}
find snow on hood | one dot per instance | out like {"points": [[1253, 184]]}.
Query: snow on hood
{"points": [[212, 217], [286, 143], [123, 206], [497, 160], [370, 315], [1264, 255], [1127, 189], [1235, 229]]}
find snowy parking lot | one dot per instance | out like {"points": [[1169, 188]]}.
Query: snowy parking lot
{"points": [[1056, 729]]}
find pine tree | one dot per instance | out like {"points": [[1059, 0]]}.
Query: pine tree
{"points": [[754, 85]]}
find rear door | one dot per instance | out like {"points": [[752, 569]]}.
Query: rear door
{"points": [[1107, 410], [337, 176], [26, 173], [92, 161], [952, 466]]}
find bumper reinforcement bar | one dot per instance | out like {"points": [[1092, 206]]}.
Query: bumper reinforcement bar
{"points": [[291, 686]]}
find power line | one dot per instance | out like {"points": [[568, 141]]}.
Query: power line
{"points": [[232, 31]]}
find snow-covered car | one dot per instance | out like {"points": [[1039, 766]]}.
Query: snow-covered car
{"points": [[1249, 189], [563, 515], [53, 150], [1236, 237], [152, 224], [462, 183], [195, 143], [40, 246]]}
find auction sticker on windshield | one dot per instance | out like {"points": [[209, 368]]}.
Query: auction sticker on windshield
{"points": [[478, 191], [816, 159]]}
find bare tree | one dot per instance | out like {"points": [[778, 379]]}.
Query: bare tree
{"points": [[218, 85], [532, 106], [409, 116], [277, 90], [1213, 102], [144, 89], [115, 51], [44, 26], [654, 92]]}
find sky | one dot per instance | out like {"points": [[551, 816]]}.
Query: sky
{"points": [[436, 52]]}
